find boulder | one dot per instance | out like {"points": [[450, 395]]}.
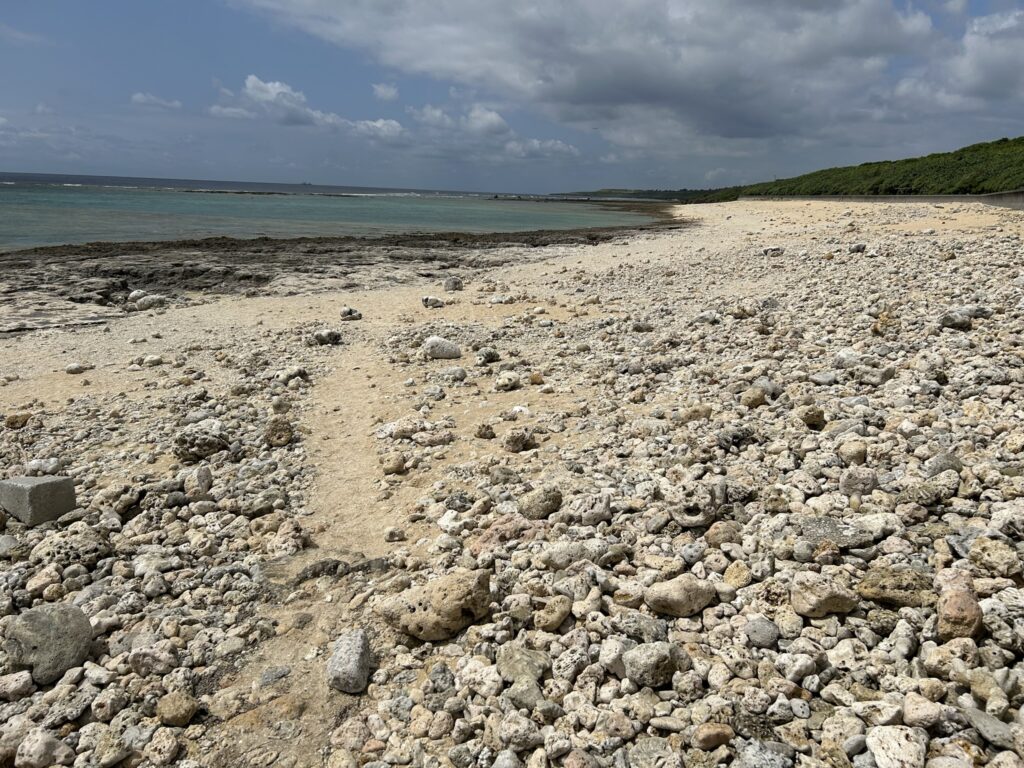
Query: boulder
{"points": [[349, 667], [37, 500], [682, 596], [441, 608], [50, 640], [815, 595], [436, 348]]}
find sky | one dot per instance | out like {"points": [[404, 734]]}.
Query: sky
{"points": [[492, 95]]}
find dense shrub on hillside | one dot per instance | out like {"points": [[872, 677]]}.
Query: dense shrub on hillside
{"points": [[996, 166]]}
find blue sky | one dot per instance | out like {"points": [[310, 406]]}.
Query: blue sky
{"points": [[478, 94]]}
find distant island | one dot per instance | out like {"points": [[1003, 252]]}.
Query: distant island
{"points": [[995, 166]]}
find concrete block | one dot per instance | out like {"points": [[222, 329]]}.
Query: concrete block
{"points": [[36, 500]]}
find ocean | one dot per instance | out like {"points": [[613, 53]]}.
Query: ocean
{"points": [[46, 209]]}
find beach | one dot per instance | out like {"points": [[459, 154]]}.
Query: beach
{"points": [[742, 486]]}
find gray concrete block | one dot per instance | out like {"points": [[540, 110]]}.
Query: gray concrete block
{"points": [[35, 500]]}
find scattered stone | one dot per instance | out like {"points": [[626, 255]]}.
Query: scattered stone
{"points": [[436, 348], [349, 667], [708, 736], [279, 431], [897, 746], [37, 500], [440, 608], [682, 596], [540, 503], [176, 709], [816, 596], [50, 639]]}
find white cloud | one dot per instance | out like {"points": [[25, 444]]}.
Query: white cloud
{"points": [[149, 100], [281, 103], [385, 91], [733, 69], [3, 121], [540, 148], [990, 64], [481, 120], [431, 116], [19, 37], [234, 113], [376, 129], [44, 109]]}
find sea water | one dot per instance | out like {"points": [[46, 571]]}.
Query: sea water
{"points": [[40, 210]]}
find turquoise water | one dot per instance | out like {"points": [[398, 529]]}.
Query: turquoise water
{"points": [[33, 213]]}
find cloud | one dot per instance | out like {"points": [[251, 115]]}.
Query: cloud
{"points": [[19, 37], [149, 100], [376, 129], [990, 63], [283, 104], [232, 113], [3, 121], [791, 82], [280, 103], [482, 135], [431, 116], [735, 69], [540, 148], [484, 121], [385, 91]]}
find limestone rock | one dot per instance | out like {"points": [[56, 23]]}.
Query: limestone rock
{"points": [[540, 503], [897, 746], [441, 608], [437, 348], [349, 667], [176, 709], [50, 639], [897, 587], [682, 596], [651, 664], [815, 595], [201, 440], [278, 432]]}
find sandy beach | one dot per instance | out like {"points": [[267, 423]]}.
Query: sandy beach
{"points": [[744, 489]]}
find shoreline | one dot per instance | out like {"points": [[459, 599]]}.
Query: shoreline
{"points": [[661, 212], [649, 487], [88, 283]]}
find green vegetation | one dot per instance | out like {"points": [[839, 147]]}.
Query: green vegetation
{"points": [[996, 166]]}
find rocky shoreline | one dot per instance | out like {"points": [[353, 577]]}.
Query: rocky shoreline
{"points": [[747, 492]]}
